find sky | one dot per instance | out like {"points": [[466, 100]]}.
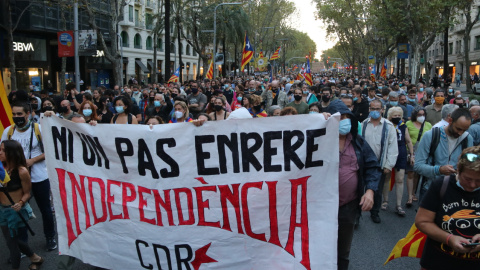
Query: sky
{"points": [[304, 21]]}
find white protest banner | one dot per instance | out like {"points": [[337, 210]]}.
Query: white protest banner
{"points": [[233, 194]]}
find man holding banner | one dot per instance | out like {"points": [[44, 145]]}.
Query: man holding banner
{"points": [[359, 175]]}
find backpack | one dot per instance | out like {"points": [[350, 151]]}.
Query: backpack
{"points": [[436, 141], [36, 130]]}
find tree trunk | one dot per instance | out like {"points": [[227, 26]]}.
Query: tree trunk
{"points": [[415, 63], [180, 47], [167, 40], [466, 59], [154, 66], [446, 72], [224, 66], [13, 73]]}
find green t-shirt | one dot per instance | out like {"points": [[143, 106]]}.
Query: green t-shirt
{"points": [[301, 108], [413, 130]]}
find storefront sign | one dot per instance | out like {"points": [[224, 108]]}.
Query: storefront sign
{"points": [[23, 47], [474, 63], [66, 45], [241, 194], [87, 42]]}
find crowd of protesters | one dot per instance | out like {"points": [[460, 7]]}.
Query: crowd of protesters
{"points": [[386, 134]]}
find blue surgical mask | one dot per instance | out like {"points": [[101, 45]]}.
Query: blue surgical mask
{"points": [[412, 100], [460, 186], [375, 114], [305, 92], [119, 109], [239, 99], [380, 87], [157, 103], [421, 89], [345, 126], [87, 112], [313, 112], [355, 99], [394, 103]]}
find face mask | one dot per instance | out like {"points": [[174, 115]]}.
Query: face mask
{"points": [[439, 100], [194, 90], [47, 108], [396, 120], [380, 87], [355, 99], [374, 114], [218, 108], [174, 95], [345, 126], [421, 89], [135, 92], [119, 109], [459, 96], [412, 100], [313, 112], [157, 103], [226, 85], [63, 109], [297, 97], [87, 112], [19, 121], [400, 84], [305, 92], [394, 103], [421, 119], [178, 114], [325, 99], [239, 99], [257, 108], [450, 90]]}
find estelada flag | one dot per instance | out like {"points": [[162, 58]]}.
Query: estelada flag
{"points": [[5, 109], [175, 76], [247, 52], [308, 75], [299, 77], [210, 71], [383, 72], [410, 246], [276, 54], [260, 55], [4, 178]]}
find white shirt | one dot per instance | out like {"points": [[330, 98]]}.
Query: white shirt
{"points": [[441, 124], [39, 169]]}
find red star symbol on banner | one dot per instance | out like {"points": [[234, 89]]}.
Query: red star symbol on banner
{"points": [[202, 257]]}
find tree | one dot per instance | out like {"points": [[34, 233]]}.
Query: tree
{"points": [[111, 52], [471, 19]]}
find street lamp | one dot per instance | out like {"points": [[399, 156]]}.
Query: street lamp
{"points": [[215, 32]]}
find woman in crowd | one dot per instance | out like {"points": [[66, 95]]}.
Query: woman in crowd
{"points": [[219, 112], [48, 105], [104, 114], [417, 126], [274, 110], [237, 100], [97, 95], [123, 107], [181, 113], [288, 111], [88, 111], [314, 108], [449, 216], [395, 115], [245, 101], [154, 120], [256, 108], [18, 188]]}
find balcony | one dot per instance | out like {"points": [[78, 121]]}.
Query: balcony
{"points": [[149, 27], [150, 48], [139, 2], [139, 24], [150, 4], [139, 46]]}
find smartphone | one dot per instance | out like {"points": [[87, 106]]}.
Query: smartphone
{"points": [[471, 244]]}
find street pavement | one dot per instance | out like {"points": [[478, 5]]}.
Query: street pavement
{"points": [[372, 243]]}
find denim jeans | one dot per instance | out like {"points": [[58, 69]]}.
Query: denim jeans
{"points": [[41, 192], [346, 224], [377, 197]]}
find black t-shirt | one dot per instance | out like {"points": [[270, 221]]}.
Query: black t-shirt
{"points": [[457, 213]]}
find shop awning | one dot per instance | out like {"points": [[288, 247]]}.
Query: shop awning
{"points": [[142, 66], [150, 63]]}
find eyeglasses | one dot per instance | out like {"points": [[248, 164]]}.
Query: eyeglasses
{"points": [[346, 95], [471, 157]]}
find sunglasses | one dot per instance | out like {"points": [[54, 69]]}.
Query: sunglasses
{"points": [[471, 157]]}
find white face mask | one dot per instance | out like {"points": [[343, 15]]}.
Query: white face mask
{"points": [[421, 119], [178, 114]]}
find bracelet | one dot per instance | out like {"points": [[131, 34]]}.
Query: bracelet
{"points": [[21, 201], [448, 238]]}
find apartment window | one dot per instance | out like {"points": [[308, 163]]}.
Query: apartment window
{"points": [[130, 13], [149, 43], [188, 50], [137, 41], [477, 43], [124, 36], [160, 44], [450, 48], [194, 53], [149, 21]]}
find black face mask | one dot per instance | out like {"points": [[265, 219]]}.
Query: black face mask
{"points": [[19, 121], [257, 108], [63, 109], [297, 97], [218, 108], [325, 99], [47, 108], [194, 90], [173, 95], [145, 96], [460, 105], [152, 98], [396, 120]]}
